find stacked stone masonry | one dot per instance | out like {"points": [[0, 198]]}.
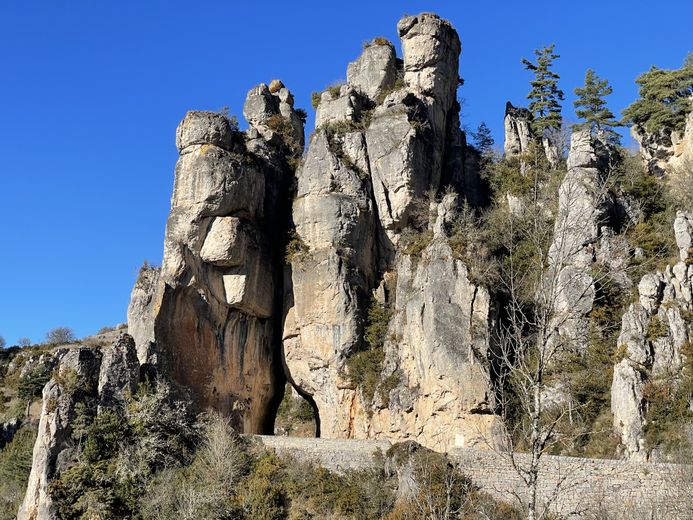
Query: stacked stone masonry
{"points": [[622, 488]]}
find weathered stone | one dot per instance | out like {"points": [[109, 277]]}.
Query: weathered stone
{"points": [[650, 289], [652, 340], [201, 127], [440, 334], [209, 320], [55, 427], [375, 71], [144, 301], [518, 130], [335, 220], [226, 242], [264, 109], [577, 229], [626, 404], [431, 50], [119, 373], [345, 108], [683, 230]]}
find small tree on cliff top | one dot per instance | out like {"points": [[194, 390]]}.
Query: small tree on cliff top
{"points": [[591, 105], [545, 95]]}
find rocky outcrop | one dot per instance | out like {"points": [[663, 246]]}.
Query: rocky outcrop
{"points": [[81, 367], [144, 303], [88, 376], [436, 387], [210, 318], [581, 230], [666, 152], [518, 130], [119, 373], [519, 135], [380, 144], [654, 331]]}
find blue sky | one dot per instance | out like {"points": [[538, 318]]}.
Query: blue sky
{"points": [[92, 92]]}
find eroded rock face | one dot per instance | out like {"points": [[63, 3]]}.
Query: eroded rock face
{"points": [[653, 333], [98, 379], [581, 221], [209, 319], [437, 352], [666, 153], [518, 130], [377, 149], [375, 71]]}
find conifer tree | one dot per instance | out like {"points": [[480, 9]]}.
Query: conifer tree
{"points": [[591, 105], [665, 99], [545, 95], [483, 140]]}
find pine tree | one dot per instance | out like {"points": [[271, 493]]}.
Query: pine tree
{"points": [[483, 140], [545, 95], [665, 99], [591, 105]]}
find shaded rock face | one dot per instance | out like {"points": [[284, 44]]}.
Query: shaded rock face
{"points": [[653, 333], [379, 145], [92, 376], [209, 319]]}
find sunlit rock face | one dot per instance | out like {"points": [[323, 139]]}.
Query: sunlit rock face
{"points": [[653, 337], [381, 142], [209, 319]]}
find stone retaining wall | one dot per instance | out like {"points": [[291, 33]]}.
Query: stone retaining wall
{"points": [[629, 490]]}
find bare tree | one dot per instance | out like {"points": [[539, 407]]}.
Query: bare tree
{"points": [[24, 342], [60, 335], [545, 276], [2, 342]]}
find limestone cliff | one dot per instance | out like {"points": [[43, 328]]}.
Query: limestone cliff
{"points": [[210, 319], [656, 331], [381, 142], [584, 237]]}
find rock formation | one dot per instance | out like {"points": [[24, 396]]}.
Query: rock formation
{"points": [[518, 130], [581, 229], [653, 335], [665, 153], [85, 375], [380, 144], [519, 135], [210, 318]]}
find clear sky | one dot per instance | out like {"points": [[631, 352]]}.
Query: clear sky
{"points": [[92, 92]]}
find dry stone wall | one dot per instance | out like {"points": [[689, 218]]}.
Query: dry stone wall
{"points": [[623, 488]]}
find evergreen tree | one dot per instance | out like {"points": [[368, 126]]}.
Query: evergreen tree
{"points": [[545, 95], [483, 141], [664, 99], [688, 62], [591, 105]]}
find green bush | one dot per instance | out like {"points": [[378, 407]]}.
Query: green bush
{"points": [[15, 466], [296, 249], [31, 385], [294, 413], [364, 368]]}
